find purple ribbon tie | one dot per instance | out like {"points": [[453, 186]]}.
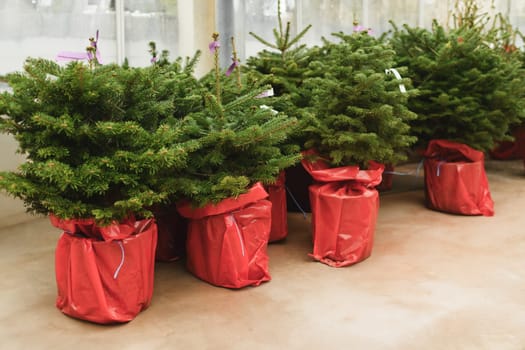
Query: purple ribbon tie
{"points": [[232, 67], [67, 56], [213, 46], [360, 28]]}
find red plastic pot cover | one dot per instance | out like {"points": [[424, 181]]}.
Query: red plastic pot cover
{"points": [[455, 179], [505, 150], [171, 241], [511, 149], [90, 229], [106, 281], [344, 212], [343, 222], [386, 179], [277, 195], [86, 227], [226, 243], [321, 171]]}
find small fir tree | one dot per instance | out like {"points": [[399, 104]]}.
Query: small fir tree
{"points": [[96, 139], [240, 143], [360, 112], [497, 31], [470, 91], [235, 83], [285, 65]]}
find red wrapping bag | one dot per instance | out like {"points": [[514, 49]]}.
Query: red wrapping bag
{"points": [[506, 150], [105, 281], [387, 179], [344, 205], [511, 149], [277, 195], [455, 179], [226, 243]]}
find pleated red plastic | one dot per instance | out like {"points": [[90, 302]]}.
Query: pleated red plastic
{"points": [[387, 179], [506, 150], [106, 281], [227, 242], [344, 205], [455, 179], [277, 195], [322, 172]]}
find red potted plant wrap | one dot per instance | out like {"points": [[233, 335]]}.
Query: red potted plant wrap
{"points": [[104, 281], [277, 195], [344, 205], [511, 149], [226, 242], [455, 179], [387, 179]]}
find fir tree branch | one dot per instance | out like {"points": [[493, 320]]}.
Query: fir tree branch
{"points": [[192, 63], [243, 100], [279, 18], [263, 41], [215, 37], [236, 60], [285, 45], [299, 36]]}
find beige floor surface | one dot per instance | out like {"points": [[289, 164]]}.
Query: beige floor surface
{"points": [[434, 281]]}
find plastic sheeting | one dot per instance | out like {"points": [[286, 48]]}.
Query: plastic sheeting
{"points": [[344, 205], [227, 242], [277, 195], [387, 179], [511, 149], [455, 179], [105, 281]]}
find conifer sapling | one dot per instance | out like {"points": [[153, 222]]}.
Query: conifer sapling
{"points": [[95, 137], [239, 143], [359, 111]]}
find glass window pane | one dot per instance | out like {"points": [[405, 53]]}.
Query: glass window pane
{"points": [[400, 12], [434, 9], [330, 16], [517, 18], [260, 18], [42, 28], [325, 16], [147, 21]]}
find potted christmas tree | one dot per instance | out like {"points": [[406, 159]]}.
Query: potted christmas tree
{"points": [[97, 140], [360, 117], [229, 217], [233, 85], [184, 92], [285, 64], [469, 95], [503, 38]]}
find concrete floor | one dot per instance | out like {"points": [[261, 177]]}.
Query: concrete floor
{"points": [[434, 281]]}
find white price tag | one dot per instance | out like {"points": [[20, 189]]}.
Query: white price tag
{"points": [[398, 77]]}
